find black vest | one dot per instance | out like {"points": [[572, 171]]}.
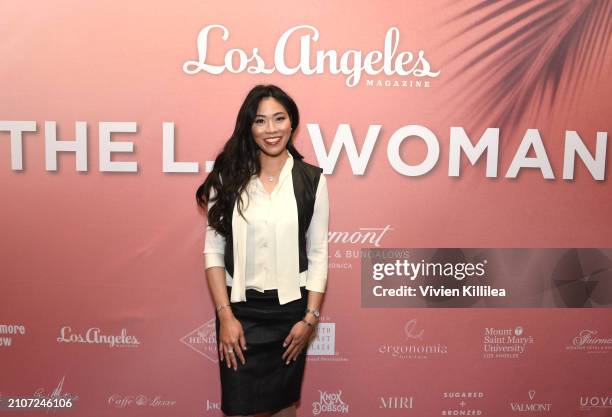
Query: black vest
{"points": [[305, 180]]}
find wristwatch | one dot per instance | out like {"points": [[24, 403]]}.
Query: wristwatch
{"points": [[308, 323], [314, 312]]}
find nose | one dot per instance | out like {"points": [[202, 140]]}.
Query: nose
{"points": [[270, 126]]}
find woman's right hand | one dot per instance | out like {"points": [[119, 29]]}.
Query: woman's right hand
{"points": [[231, 341]]}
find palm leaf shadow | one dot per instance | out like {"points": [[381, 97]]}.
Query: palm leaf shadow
{"points": [[529, 50]]}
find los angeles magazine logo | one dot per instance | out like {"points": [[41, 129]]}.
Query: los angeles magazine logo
{"points": [[96, 336], [352, 63]]}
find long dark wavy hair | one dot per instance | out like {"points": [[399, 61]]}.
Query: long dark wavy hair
{"points": [[239, 159]]}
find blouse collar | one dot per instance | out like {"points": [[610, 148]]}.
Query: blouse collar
{"points": [[285, 172]]}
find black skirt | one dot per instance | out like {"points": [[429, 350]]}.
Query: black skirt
{"points": [[264, 383]]}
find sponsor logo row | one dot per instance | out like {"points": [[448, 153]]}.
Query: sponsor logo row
{"points": [[450, 403], [413, 341]]}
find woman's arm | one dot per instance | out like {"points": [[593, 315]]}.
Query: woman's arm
{"points": [[316, 241], [216, 284], [316, 278], [314, 303], [231, 336]]}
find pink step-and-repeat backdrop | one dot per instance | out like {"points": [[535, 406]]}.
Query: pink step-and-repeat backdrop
{"points": [[449, 131]]}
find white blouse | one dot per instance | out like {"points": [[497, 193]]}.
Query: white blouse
{"points": [[266, 250]]}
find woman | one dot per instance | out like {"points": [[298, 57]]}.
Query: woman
{"points": [[265, 254]]}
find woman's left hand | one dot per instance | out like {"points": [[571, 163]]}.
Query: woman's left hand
{"points": [[296, 341]]}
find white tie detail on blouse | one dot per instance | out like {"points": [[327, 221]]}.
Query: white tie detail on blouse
{"points": [[266, 248]]}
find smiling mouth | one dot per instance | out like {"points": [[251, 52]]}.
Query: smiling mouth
{"points": [[273, 141]]}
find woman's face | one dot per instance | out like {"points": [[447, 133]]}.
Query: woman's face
{"points": [[271, 128]]}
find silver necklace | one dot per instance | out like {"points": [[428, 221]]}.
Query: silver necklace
{"points": [[270, 178]]}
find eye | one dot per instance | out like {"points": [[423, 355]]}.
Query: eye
{"points": [[280, 118], [259, 121]]}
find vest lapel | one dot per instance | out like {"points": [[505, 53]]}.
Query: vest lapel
{"points": [[287, 245], [291, 255], [239, 231]]}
